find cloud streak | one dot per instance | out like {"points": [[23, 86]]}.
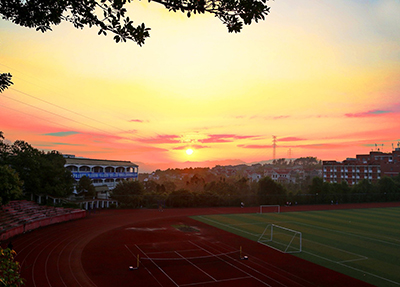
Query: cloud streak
{"points": [[224, 138], [161, 139], [62, 134], [372, 113]]}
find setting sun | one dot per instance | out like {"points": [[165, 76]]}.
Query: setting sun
{"points": [[189, 151]]}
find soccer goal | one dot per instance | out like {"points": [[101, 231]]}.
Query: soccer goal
{"points": [[270, 208], [281, 238]]}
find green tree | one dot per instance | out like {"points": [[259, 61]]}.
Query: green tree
{"points": [[364, 191], [388, 189], [208, 199], [128, 193], [169, 186], [306, 161], [344, 192], [41, 173], [181, 198], [9, 269], [86, 187], [271, 192], [150, 186], [196, 183], [55, 179], [10, 185]]}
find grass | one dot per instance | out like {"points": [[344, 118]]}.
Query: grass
{"points": [[362, 243]]}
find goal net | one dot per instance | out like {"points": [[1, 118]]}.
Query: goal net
{"points": [[270, 208], [281, 238]]}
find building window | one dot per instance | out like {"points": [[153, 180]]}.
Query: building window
{"points": [[72, 168], [109, 169], [98, 169]]}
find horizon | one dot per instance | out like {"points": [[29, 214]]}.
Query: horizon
{"points": [[321, 77]]}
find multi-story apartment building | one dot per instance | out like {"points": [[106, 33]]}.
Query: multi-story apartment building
{"points": [[101, 172], [372, 166]]}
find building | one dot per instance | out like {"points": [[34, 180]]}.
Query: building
{"points": [[103, 173], [372, 166]]}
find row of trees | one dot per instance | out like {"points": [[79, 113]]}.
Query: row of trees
{"points": [[303, 161], [134, 194], [25, 169]]}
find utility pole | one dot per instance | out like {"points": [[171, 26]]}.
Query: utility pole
{"points": [[274, 146]]}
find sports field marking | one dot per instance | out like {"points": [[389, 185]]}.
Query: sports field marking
{"points": [[196, 266], [343, 262], [351, 234], [356, 269], [187, 259], [339, 255], [157, 266], [359, 257], [230, 226], [282, 273], [232, 265], [208, 282]]}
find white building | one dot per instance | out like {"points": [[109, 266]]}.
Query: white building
{"points": [[101, 172]]}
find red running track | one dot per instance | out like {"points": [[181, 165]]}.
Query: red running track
{"points": [[97, 251]]}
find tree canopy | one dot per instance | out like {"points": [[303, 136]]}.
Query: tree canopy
{"points": [[112, 16], [10, 185], [128, 193], [271, 192], [86, 187], [41, 172]]}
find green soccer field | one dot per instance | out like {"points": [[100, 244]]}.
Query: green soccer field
{"points": [[362, 243]]}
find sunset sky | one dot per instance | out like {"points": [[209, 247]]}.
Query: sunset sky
{"points": [[322, 76]]}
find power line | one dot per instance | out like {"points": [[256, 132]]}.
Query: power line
{"points": [[43, 110], [35, 116], [65, 109], [47, 102]]}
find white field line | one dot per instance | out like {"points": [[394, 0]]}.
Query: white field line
{"points": [[343, 263], [234, 266], [356, 269], [360, 257], [352, 234], [271, 268], [156, 266], [222, 280], [197, 267], [231, 227]]}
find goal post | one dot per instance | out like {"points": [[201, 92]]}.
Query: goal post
{"points": [[270, 208], [281, 238]]}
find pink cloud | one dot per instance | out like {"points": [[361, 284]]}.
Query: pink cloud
{"points": [[290, 139], [255, 146], [280, 117], [161, 139], [137, 121], [372, 113]]}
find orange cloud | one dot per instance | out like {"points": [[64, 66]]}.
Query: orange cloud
{"points": [[224, 138]]}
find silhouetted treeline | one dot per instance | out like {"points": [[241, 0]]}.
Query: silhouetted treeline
{"points": [[197, 192]]}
